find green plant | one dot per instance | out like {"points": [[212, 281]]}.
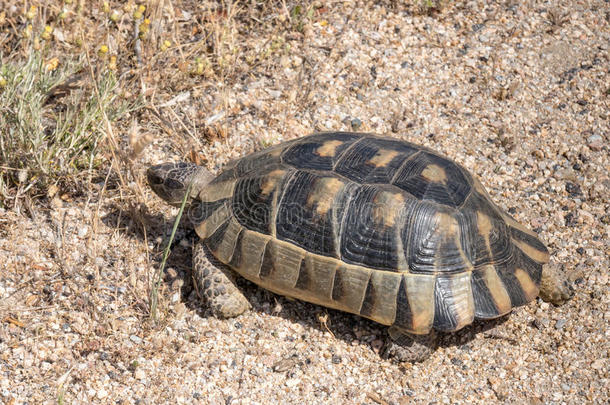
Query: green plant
{"points": [[52, 120]]}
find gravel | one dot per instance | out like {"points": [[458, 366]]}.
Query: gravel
{"points": [[519, 100]]}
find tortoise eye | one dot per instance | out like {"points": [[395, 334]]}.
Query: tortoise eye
{"points": [[173, 184], [153, 179]]}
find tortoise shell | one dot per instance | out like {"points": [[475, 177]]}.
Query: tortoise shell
{"points": [[378, 227]]}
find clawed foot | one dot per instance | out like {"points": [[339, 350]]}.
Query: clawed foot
{"points": [[404, 347]]}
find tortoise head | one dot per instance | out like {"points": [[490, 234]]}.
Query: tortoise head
{"points": [[170, 181]]}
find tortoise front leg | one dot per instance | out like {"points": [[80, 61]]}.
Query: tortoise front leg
{"points": [[401, 346], [215, 284]]}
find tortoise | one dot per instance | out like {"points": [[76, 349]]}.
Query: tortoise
{"points": [[374, 226]]}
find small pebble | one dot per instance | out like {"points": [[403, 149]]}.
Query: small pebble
{"points": [[136, 339], [598, 364], [139, 374], [82, 231], [573, 189], [356, 124], [560, 324], [595, 142]]}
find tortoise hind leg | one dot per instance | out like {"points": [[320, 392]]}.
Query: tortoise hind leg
{"points": [[554, 285], [401, 346], [215, 284]]}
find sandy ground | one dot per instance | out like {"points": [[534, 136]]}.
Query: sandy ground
{"points": [[515, 91]]}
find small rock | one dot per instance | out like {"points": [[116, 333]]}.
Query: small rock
{"points": [[457, 362], [538, 324], [560, 324], [498, 387], [570, 219], [573, 189], [135, 339], [102, 393], [598, 364], [82, 231], [291, 382], [139, 374], [336, 359], [285, 364], [356, 123], [595, 142]]}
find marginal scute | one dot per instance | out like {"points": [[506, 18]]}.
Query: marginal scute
{"points": [[349, 287], [253, 246], [463, 299], [320, 275], [420, 293], [380, 301], [216, 219], [527, 284], [506, 272], [286, 264], [225, 248], [514, 224], [491, 299]]}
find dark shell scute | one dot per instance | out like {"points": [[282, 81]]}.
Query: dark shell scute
{"points": [[199, 211], [506, 272], [318, 152], [251, 206], [368, 303], [365, 240], [404, 315], [374, 160], [444, 316], [259, 161], [433, 247], [215, 239], [484, 304], [299, 222], [528, 239], [489, 247], [451, 190]]}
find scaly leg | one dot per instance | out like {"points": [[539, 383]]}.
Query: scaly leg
{"points": [[215, 284], [405, 347]]}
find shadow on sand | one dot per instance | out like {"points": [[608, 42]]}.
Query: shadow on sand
{"points": [[343, 325]]}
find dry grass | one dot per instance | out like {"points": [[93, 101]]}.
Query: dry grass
{"points": [[78, 78], [85, 87]]}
